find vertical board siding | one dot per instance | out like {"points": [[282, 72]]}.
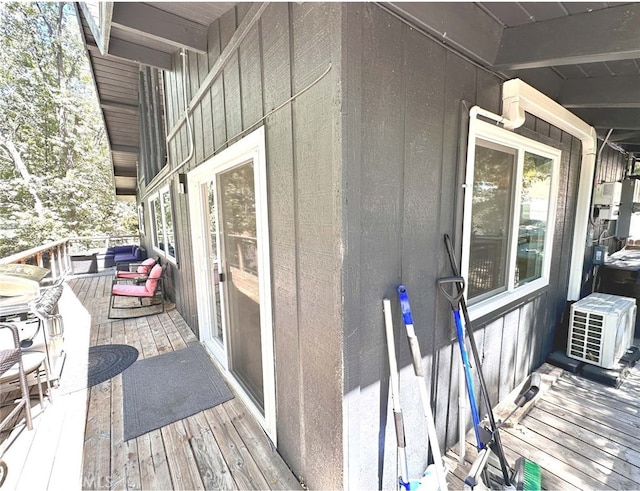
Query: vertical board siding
{"points": [[318, 178], [283, 226], [380, 196], [413, 95], [251, 81], [363, 181], [287, 47]]}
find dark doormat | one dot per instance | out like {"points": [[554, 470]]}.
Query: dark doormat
{"points": [[108, 360], [163, 389]]}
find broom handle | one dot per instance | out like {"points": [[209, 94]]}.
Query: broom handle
{"points": [[419, 371], [476, 357]]}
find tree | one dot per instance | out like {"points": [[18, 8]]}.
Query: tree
{"points": [[55, 170]]}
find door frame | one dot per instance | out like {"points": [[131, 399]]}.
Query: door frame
{"points": [[252, 147]]}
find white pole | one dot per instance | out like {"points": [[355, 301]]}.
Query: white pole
{"points": [[403, 471]]}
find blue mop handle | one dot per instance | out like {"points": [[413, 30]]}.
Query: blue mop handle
{"points": [[475, 415], [413, 340], [404, 305]]}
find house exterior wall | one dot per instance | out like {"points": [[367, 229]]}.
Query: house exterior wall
{"points": [[364, 170], [404, 106], [293, 48]]}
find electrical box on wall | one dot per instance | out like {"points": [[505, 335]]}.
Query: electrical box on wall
{"points": [[629, 207], [608, 212], [599, 255], [608, 194]]}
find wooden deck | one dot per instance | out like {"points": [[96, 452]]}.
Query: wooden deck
{"points": [[77, 441], [584, 435]]}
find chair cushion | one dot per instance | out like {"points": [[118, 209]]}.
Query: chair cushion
{"points": [[146, 265], [131, 291], [152, 282]]}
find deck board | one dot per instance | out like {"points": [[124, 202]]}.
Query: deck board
{"points": [[580, 432], [77, 442], [583, 434], [180, 455]]}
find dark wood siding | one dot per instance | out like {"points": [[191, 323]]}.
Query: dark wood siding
{"points": [[403, 164], [287, 51], [364, 172]]}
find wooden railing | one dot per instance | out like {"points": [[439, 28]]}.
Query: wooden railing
{"points": [[56, 255]]}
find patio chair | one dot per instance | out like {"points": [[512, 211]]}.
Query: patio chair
{"points": [[14, 366], [152, 289], [141, 271]]}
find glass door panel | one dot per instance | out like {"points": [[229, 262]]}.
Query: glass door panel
{"points": [[216, 331], [239, 245]]}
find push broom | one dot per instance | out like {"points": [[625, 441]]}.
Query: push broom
{"points": [[527, 475]]}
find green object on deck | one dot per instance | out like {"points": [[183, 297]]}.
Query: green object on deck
{"points": [[528, 476]]}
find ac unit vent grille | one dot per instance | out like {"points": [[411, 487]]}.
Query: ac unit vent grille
{"points": [[586, 339], [601, 328]]}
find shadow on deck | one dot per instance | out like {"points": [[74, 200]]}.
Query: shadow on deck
{"points": [[77, 441]]}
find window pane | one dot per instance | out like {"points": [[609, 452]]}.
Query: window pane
{"points": [[534, 212], [157, 224], [490, 219], [168, 221]]}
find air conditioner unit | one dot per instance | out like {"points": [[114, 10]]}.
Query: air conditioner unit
{"points": [[601, 329]]}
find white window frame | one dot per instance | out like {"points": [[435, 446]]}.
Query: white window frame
{"points": [[141, 218], [152, 215], [495, 134]]}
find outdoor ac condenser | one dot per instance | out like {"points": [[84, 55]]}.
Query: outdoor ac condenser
{"points": [[601, 329]]}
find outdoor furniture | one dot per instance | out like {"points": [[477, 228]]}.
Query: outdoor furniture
{"points": [[84, 263], [140, 270], [14, 366], [125, 254], [151, 289]]}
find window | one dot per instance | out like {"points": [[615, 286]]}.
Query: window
{"points": [[141, 218], [152, 123], [510, 204], [162, 222]]}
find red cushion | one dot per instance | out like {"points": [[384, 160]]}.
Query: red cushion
{"points": [[146, 265], [152, 282], [131, 291]]}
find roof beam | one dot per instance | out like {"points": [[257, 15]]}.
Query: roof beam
{"points": [[618, 92], [124, 172], [600, 35], [140, 54], [620, 119], [150, 22], [125, 50], [448, 22], [119, 106], [625, 137], [125, 149]]}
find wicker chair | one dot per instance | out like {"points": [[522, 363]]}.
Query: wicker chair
{"points": [[11, 361]]}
